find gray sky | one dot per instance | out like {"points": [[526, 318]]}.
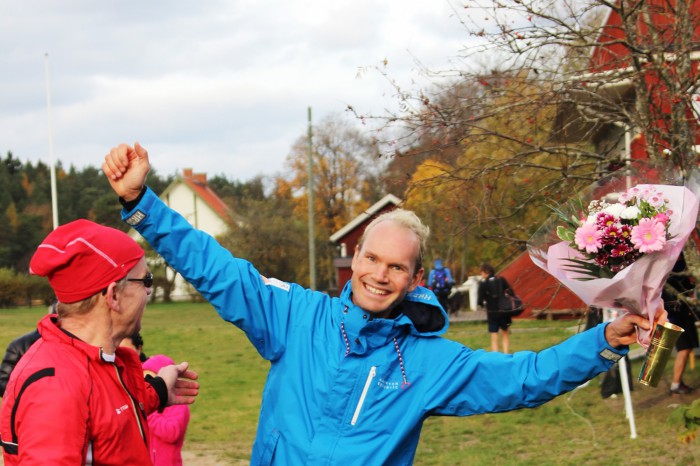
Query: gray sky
{"points": [[219, 86]]}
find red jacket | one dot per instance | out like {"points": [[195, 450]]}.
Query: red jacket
{"points": [[66, 404]]}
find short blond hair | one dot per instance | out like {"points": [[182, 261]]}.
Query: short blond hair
{"points": [[84, 305], [406, 219]]}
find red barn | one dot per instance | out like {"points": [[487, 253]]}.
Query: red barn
{"points": [[610, 81]]}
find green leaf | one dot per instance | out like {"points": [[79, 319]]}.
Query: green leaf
{"points": [[588, 268], [565, 233]]}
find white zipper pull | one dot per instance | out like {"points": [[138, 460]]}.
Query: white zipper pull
{"points": [[368, 382]]}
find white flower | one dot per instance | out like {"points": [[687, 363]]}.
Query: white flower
{"points": [[630, 213], [614, 209], [596, 206]]}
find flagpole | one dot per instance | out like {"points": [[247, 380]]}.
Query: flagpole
{"points": [[312, 242], [52, 166], [609, 316]]}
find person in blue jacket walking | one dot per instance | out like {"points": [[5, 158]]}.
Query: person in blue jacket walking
{"points": [[352, 378]]}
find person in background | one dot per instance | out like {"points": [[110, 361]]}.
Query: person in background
{"points": [[678, 293], [167, 428], [15, 350], [440, 281], [76, 397], [491, 288], [13, 353], [135, 342], [611, 385], [353, 378]]}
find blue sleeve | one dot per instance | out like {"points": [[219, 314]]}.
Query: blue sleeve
{"points": [[257, 305], [448, 274], [477, 382]]}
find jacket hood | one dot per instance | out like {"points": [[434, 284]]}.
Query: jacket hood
{"points": [[420, 310]]}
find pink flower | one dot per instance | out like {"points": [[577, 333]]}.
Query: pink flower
{"points": [[649, 235], [587, 237], [661, 218], [656, 199]]}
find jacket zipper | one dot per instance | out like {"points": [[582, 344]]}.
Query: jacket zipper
{"points": [[134, 405], [368, 382]]}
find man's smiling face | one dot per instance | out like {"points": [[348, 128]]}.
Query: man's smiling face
{"points": [[384, 268]]}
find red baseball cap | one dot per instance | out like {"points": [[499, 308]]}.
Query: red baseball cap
{"points": [[82, 258]]}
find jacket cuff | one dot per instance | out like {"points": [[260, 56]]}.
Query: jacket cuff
{"points": [[134, 211], [161, 389], [608, 352], [129, 205]]}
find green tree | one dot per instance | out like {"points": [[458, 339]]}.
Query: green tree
{"points": [[346, 167], [544, 103], [270, 238]]}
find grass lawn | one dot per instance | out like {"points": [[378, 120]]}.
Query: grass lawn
{"points": [[579, 428]]}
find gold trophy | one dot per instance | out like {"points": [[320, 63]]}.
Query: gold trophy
{"points": [[660, 348]]}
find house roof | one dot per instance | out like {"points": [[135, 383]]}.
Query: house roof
{"points": [[197, 182], [357, 221]]}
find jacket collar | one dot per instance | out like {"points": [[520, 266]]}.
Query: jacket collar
{"points": [[419, 314], [50, 331]]}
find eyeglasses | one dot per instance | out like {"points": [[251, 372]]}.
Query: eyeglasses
{"points": [[147, 280]]}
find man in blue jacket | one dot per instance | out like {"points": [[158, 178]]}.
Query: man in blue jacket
{"points": [[353, 378]]}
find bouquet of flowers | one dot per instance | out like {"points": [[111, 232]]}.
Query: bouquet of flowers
{"points": [[617, 231], [615, 245]]}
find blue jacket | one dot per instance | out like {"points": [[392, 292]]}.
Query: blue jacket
{"points": [[344, 388]]}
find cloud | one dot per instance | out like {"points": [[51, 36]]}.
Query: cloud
{"points": [[219, 86]]}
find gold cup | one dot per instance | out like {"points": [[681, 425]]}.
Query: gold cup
{"points": [[660, 348]]}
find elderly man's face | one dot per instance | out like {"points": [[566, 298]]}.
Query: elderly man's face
{"points": [[134, 298], [383, 270]]}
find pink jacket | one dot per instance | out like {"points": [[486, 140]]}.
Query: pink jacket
{"points": [[167, 429]]}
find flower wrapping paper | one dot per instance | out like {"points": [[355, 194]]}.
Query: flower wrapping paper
{"points": [[637, 288]]}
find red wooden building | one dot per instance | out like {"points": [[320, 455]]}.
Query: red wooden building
{"points": [[610, 68]]}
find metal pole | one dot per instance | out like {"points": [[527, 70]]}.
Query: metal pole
{"points": [[312, 244], [608, 316], [52, 166], [629, 411]]}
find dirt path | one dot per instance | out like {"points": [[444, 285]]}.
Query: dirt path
{"points": [[190, 458], [202, 458]]}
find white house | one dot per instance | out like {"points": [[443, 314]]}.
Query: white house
{"points": [[193, 198]]}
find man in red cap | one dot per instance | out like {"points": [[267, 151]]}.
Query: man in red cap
{"points": [[76, 397]]}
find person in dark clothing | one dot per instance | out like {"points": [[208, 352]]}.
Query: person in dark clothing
{"points": [[135, 342], [13, 353], [491, 288], [15, 350], [677, 293], [440, 281], [611, 385]]}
